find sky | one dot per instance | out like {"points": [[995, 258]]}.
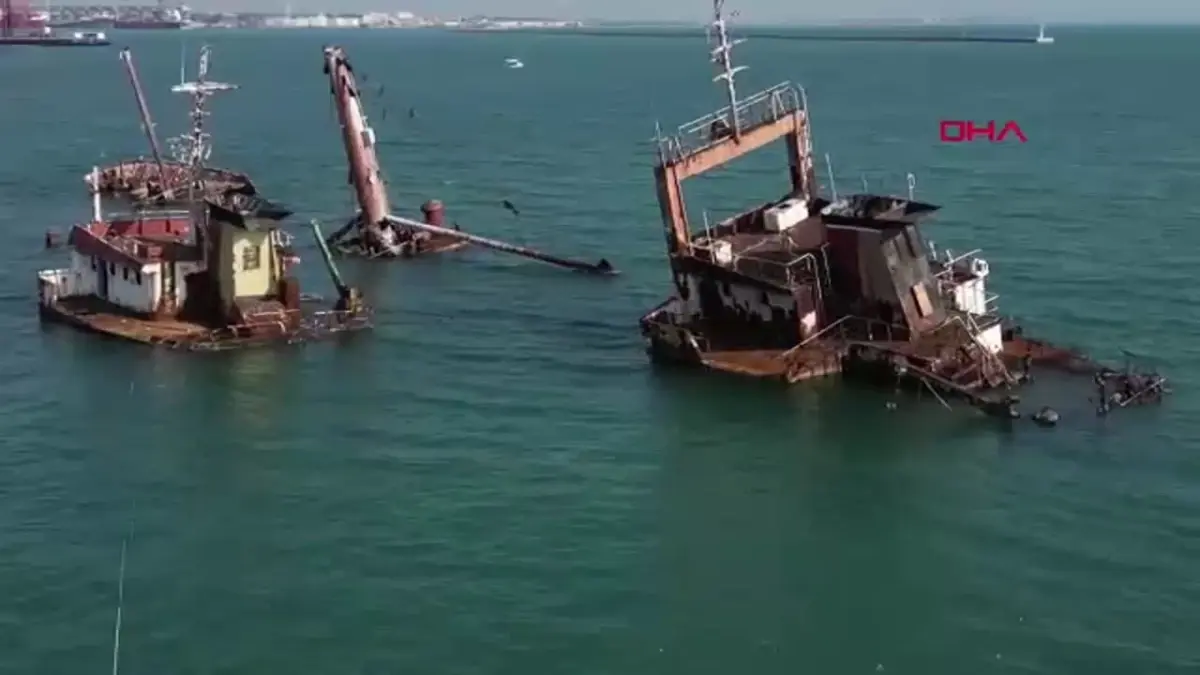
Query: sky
{"points": [[751, 11]]}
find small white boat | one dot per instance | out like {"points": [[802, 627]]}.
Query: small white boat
{"points": [[1042, 38], [96, 37], [513, 63]]}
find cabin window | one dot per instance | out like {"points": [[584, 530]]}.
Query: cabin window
{"points": [[112, 268], [137, 278], [921, 299], [251, 257], [93, 262], [125, 273]]}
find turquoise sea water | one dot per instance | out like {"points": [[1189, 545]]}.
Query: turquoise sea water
{"points": [[496, 481]]}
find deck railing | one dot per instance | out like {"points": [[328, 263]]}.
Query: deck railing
{"points": [[765, 107], [262, 333], [852, 327], [791, 273]]}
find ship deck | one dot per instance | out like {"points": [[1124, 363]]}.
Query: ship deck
{"points": [[794, 365], [95, 315], [750, 362]]}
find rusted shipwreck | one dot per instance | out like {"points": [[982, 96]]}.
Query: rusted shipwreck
{"points": [[213, 276], [165, 178], [374, 232], [807, 286]]}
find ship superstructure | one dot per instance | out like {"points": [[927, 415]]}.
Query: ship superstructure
{"points": [[806, 285]]}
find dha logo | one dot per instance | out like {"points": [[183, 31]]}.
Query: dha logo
{"points": [[958, 131]]}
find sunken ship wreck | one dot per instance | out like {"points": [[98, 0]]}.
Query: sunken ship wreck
{"points": [[167, 176], [213, 276], [806, 286], [374, 231]]}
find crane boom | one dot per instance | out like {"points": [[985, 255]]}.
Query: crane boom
{"points": [[359, 139], [601, 267], [144, 112]]}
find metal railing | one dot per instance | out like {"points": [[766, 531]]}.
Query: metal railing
{"points": [[135, 212], [991, 304], [263, 333], [948, 266], [946, 285], [968, 324], [789, 273], [765, 107], [54, 284], [282, 239], [867, 329]]}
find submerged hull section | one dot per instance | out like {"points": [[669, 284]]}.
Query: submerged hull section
{"points": [[94, 316]]}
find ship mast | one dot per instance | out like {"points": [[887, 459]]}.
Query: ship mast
{"points": [[196, 149], [144, 113], [722, 56], [193, 149]]}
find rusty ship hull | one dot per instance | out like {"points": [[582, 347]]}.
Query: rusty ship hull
{"points": [[807, 286]]}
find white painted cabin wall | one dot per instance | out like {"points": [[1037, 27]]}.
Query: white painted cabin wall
{"points": [[992, 338], [971, 296], [128, 293], [83, 277]]}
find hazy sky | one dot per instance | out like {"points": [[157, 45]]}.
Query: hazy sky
{"points": [[755, 11]]}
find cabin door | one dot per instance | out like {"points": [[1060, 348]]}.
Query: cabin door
{"points": [[102, 280], [169, 283], [807, 312]]}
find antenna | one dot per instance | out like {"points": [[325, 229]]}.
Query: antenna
{"points": [[116, 661], [722, 56], [194, 149], [912, 186], [832, 184]]}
